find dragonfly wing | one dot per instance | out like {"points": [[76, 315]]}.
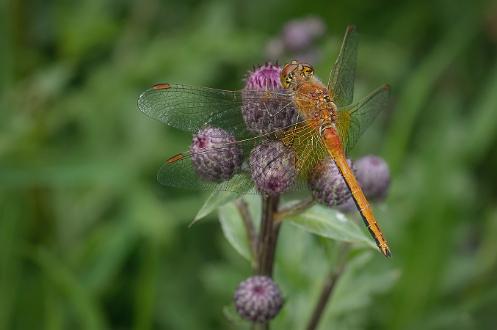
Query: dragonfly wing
{"points": [[308, 146], [342, 76], [191, 108], [182, 174], [180, 170], [353, 120]]}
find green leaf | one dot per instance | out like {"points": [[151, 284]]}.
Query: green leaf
{"points": [[216, 199], [234, 230], [332, 224]]}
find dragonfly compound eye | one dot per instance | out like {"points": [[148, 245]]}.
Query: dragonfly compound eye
{"points": [[215, 155], [289, 79], [272, 167], [307, 70], [266, 107], [327, 184]]}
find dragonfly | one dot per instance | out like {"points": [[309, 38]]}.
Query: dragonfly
{"points": [[328, 124]]}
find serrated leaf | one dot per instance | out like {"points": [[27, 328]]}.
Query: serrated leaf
{"points": [[234, 229], [216, 199], [332, 224]]}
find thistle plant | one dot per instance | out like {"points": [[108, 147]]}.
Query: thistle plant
{"points": [[273, 169]]}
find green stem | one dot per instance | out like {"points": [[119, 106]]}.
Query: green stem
{"points": [[294, 209], [268, 236], [266, 242], [328, 288], [248, 222]]}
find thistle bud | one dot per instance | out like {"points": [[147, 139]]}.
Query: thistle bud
{"points": [[373, 175], [258, 299], [215, 155], [265, 115], [272, 167], [327, 184]]}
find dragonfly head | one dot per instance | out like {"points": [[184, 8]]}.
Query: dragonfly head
{"points": [[295, 72]]}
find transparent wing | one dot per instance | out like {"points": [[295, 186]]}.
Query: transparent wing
{"points": [[182, 174], [180, 171], [353, 120], [191, 108], [307, 145], [342, 76]]}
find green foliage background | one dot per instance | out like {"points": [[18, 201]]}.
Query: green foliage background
{"points": [[88, 238]]}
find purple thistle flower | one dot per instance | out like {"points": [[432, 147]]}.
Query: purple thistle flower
{"points": [[263, 115], [258, 299], [215, 156], [327, 184], [265, 77], [272, 166]]}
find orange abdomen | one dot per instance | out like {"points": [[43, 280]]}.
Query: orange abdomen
{"points": [[335, 149]]}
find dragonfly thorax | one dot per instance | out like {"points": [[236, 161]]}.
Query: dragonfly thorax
{"points": [[314, 102]]}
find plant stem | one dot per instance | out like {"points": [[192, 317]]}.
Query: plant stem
{"points": [[261, 326], [328, 288], [268, 235], [297, 208], [248, 222], [266, 242]]}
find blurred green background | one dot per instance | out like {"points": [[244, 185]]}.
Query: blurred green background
{"points": [[90, 240]]}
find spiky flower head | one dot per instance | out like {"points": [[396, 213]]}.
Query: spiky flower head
{"points": [[373, 175], [215, 156], [258, 299], [327, 184], [273, 167], [263, 114]]}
